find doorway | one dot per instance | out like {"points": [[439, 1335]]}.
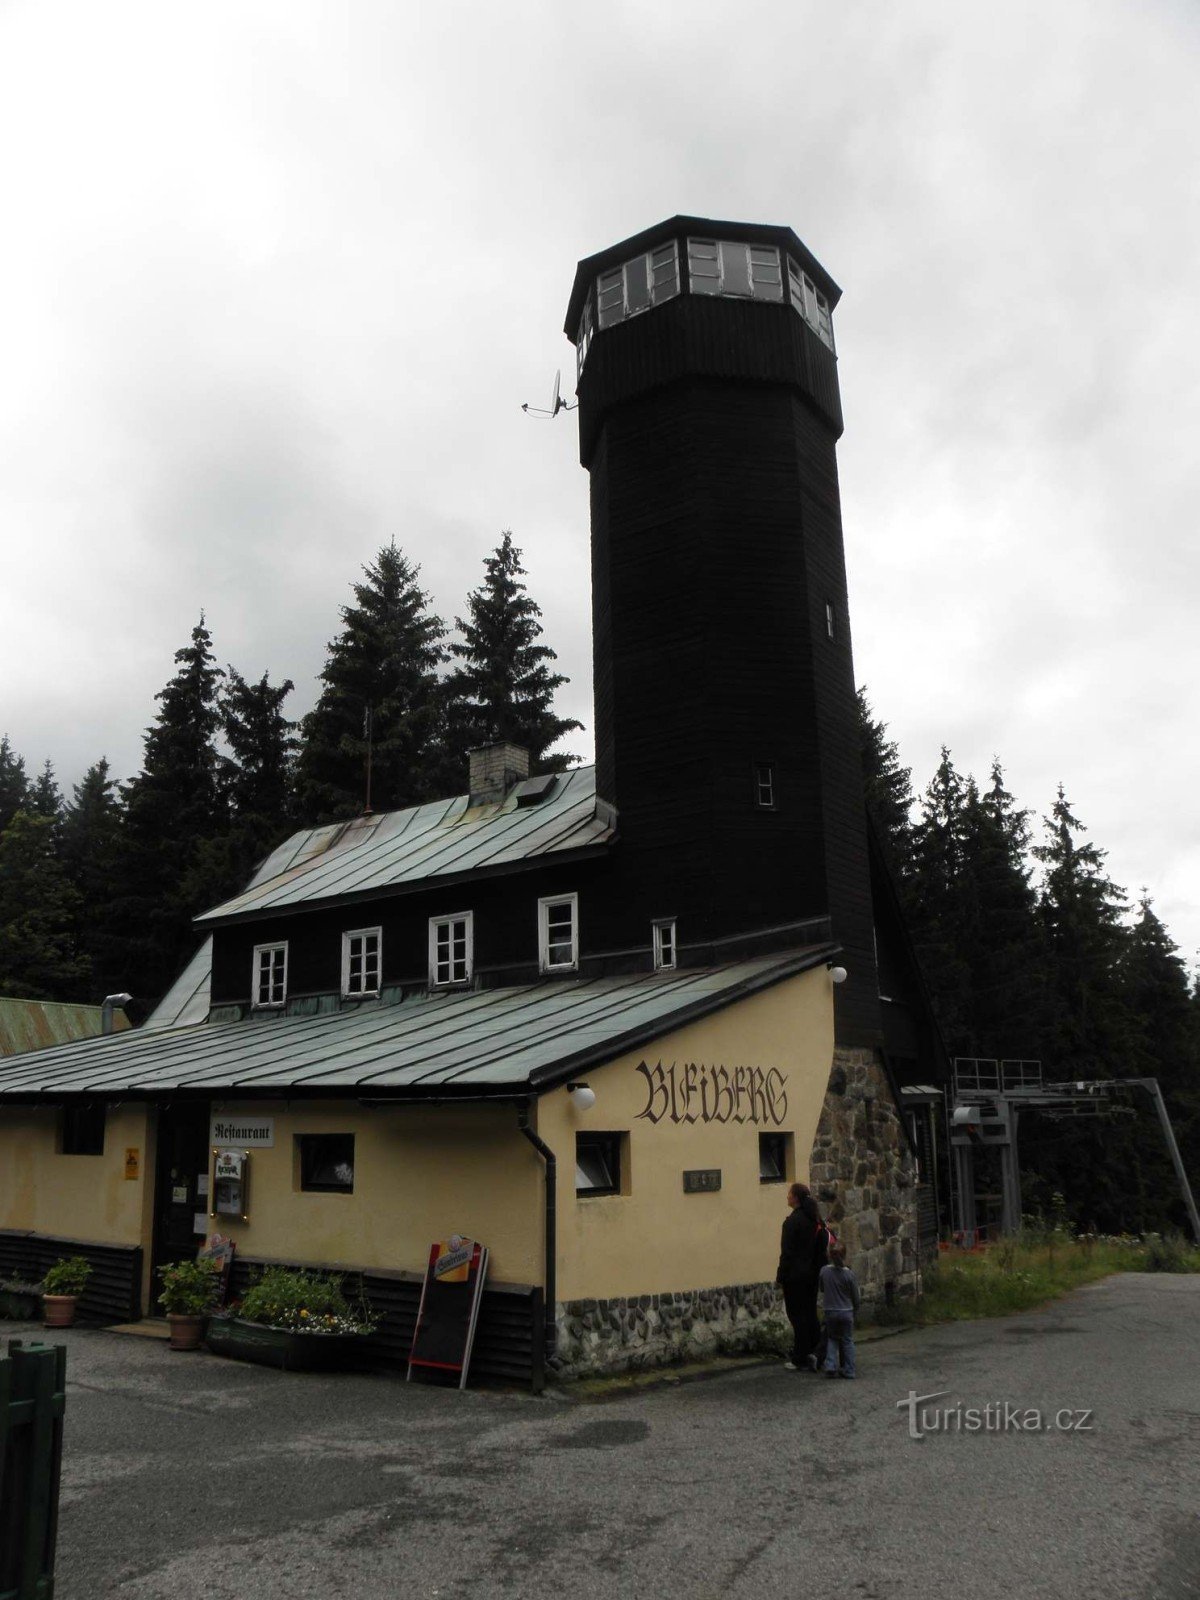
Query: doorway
{"points": [[180, 1186]]}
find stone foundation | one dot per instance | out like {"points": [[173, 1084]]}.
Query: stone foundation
{"points": [[650, 1330], [861, 1172]]}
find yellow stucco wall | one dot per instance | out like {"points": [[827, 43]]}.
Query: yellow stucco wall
{"points": [[655, 1238], [77, 1197], [424, 1172], [420, 1173]]}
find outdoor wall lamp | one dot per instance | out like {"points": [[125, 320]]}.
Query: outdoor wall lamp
{"points": [[838, 974], [583, 1098]]}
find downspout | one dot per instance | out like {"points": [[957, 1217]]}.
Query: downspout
{"points": [[548, 1156]]}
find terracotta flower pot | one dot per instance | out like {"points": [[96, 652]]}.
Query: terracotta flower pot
{"points": [[186, 1331], [58, 1310]]}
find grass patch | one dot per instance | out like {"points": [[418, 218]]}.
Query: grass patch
{"points": [[1032, 1268]]}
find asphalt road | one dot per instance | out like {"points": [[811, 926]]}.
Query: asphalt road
{"points": [[189, 1476]]}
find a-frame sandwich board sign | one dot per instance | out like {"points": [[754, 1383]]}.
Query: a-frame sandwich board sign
{"points": [[449, 1309]]}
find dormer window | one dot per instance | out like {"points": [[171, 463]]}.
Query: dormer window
{"points": [[362, 950], [558, 933], [451, 950], [664, 944], [268, 982], [725, 267]]}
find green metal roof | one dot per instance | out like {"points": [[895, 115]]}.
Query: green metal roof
{"points": [[400, 850], [38, 1024], [477, 1044]]}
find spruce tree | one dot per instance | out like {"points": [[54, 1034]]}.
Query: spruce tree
{"points": [[1081, 912], [174, 809], [90, 849], [380, 682], [258, 775], [1164, 1045], [936, 901], [504, 688], [45, 797], [887, 787], [38, 958], [14, 784]]}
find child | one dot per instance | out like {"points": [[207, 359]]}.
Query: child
{"points": [[839, 1291]]}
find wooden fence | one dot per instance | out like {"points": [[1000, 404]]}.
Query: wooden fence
{"points": [[32, 1399]]}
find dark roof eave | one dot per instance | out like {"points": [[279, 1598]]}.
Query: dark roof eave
{"points": [[211, 919]]}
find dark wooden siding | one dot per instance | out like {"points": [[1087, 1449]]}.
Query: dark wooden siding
{"points": [[113, 1292], [509, 1340], [710, 429]]}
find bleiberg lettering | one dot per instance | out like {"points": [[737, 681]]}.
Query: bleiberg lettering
{"points": [[691, 1093]]}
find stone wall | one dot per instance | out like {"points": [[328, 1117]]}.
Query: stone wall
{"points": [[861, 1172], [651, 1330]]}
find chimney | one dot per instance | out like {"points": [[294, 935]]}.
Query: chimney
{"points": [[495, 769]]}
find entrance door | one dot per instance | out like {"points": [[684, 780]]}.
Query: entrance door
{"points": [[181, 1174]]}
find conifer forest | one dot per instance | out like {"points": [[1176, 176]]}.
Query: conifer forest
{"points": [[1028, 948]]}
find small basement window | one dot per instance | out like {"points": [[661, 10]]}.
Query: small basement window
{"points": [[558, 933], [326, 1162], [451, 949], [361, 952], [598, 1163], [268, 984], [774, 1150], [664, 944], [764, 785], [82, 1131]]}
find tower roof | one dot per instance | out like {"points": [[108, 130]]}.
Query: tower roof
{"points": [[707, 227]]}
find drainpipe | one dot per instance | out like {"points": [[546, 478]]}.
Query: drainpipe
{"points": [[111, 1001], [548, 1156]]}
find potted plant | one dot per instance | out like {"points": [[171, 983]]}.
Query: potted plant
{"points": [[189, 1290], [295, 1320], [61, 1288], [20, 1300]]}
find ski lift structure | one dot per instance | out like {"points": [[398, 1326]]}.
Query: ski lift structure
{"points": [[988, 1098]]}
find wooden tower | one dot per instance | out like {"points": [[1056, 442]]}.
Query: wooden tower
{"points": [[725, 721]]}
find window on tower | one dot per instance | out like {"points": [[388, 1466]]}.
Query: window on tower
{"points": [[764, 785], [647, 280], [808, 301], [726, 267]]}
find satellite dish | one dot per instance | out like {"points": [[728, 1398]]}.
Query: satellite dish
{"points": [[557, 403]]}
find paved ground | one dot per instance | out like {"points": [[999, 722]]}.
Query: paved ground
{"points": [[189, 1476]]}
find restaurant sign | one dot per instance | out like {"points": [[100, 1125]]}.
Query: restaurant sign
{"points": [[247, 1133]]}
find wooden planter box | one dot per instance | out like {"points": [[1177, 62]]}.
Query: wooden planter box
{"points": [[21, 1305], [279, 1347]]}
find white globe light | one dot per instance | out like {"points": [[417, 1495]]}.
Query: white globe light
{"points": [[582, 1098], [839, 974]]}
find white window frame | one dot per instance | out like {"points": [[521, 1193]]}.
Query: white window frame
{"points": [[666, 946], [256, 977], [452, 980], [808, 302], [759, 267], [361, 933], [658, 272], [544, 946], [764, 785]]}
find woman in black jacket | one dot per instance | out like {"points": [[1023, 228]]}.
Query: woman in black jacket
{"points": [[803, 1251]]}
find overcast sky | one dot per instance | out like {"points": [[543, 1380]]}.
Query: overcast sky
{"points": [[277, 278]]}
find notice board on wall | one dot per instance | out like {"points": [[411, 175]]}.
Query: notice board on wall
{"points": [[449, 1309]]}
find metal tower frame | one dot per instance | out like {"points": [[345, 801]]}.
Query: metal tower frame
{"points": [[988, 1098]]}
